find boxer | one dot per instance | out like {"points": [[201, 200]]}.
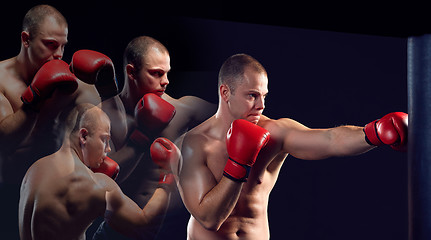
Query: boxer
{"points": [[151, 113], [231, 161], [36, 88], [61, 195]]}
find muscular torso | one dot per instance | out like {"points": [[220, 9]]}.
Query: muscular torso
{"points": [[249, 219], [59, 198]]}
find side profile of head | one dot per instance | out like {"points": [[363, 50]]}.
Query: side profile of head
{"points": [[243, 86], [90, 129], [44, 35], [146, 65]]}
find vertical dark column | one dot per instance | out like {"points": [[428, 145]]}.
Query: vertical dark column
{"points": [[419, 154]]}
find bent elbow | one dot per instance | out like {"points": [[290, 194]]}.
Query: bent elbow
{"points": [[211, 225]]}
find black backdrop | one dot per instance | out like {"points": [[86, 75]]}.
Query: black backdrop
{"points": [[321, 75]]}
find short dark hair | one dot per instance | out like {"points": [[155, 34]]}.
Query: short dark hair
{"points": [[35, 16], [137, 50], [232, 71]]}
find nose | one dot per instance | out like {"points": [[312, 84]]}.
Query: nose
{"points": [[108, 148], [260, 103], [58, 54], [164, 80]]}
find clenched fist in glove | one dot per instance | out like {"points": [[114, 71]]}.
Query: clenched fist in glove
{"points": [[244, 141], [390, 129]]}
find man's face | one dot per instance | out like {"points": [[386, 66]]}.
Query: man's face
{"points": [[153, 76], [48, 43], [248, 100], [97, 142]]}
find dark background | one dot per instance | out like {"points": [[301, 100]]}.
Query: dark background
{"points": [[329, 64]]}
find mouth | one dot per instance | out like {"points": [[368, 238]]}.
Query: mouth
{"points": [[254, 118]]}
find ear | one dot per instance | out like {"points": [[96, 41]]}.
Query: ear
{"points": [[83, 133], [224, 92], [130, 71], [25, 38]]}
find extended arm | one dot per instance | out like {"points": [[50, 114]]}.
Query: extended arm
{"points": [[310, 144]]}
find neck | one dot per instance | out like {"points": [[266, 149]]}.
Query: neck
{"points": [[222, 120], [23, 67], [127, 98], [73, 146]]}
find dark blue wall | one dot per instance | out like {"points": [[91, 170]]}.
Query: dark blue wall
{"points": [[319, 78]]}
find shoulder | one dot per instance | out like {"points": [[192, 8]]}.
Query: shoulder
{"points": [[86, 93], [195, 139], [8, 76], [280, 127], [195, 102], [196, 143]]}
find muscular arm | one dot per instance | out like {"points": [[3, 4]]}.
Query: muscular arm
{"points": [[126, 217], [312, 144], [210, 202], [14, 126]]}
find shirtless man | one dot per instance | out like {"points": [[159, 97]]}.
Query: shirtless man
{"points": [[61, 196], [146, 67], [231, 161], [31, 123]]}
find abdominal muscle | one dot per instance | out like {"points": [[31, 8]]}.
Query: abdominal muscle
{"points": [[248, 220]]}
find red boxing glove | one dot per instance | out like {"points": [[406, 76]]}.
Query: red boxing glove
{"points": [[390, 129], [165, 154], [54, 74], [244, 140], [152, 114], [108, 167], [95, 68]]}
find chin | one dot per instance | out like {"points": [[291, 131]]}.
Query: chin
{"points": [[253, 119]]}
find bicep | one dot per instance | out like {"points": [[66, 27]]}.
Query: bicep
{"points": [[303, 142], [122, 213]]}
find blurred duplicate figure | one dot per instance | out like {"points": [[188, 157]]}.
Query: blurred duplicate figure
{"points": [[36, 87], [61, 195], [151, 113], [232, 161]]}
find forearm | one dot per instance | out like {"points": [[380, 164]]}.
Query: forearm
{"points": [[316, 144], [126, 217], [216, 205], [156, 207], [348, 141]]}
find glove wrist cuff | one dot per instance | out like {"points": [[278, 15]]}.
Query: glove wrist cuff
{"points": [[236, 171], [371, 135]]}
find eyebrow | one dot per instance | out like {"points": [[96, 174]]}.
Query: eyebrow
{"points": [[258, 92], [55, 40]]}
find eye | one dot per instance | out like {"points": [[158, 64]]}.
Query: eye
{"points": [[156, 73], [51, 44], [252, 95]]}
